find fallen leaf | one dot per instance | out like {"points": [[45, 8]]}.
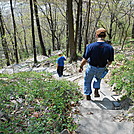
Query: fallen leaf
{"points": [[35, 114]]}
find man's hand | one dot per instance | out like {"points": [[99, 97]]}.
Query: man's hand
{"points": [[108, 63], [80, 70], [83, 62]]}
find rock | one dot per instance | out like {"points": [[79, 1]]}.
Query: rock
{"points": [[126, 103], [8, 71], [26, 69]]}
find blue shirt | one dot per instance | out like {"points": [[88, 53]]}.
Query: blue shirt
{"points": [[99, 53], [60, 61]]}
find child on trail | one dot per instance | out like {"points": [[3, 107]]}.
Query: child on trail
{"points": [[60, 64]]}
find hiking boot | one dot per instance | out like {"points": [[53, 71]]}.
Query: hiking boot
{"points": [[88, 97], [96, 93]]}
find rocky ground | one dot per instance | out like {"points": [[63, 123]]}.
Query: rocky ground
{"points": [[103, 115]]}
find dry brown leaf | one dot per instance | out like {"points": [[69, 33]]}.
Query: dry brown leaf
{"points": [[35, 114]]}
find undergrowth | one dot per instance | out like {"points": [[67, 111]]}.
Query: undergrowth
{"points": [[122, 75], [34, 103]]}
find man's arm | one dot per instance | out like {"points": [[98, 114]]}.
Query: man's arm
{"points": [[83, 62], [111, 58]]}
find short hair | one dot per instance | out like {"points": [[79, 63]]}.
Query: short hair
{"points": [[59, 54], [102, 34]]}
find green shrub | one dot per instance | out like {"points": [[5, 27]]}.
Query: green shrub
{"points": [[123, 76], [120, 57], [35, 103]]}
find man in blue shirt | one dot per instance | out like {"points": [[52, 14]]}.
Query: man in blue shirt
{"points": [[99, 55], [60, 64]]}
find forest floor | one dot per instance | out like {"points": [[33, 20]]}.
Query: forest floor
{"points": [[103, 115]]}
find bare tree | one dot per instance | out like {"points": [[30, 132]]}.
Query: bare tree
{"points": [[133, 30], [80, 26], [15, 32], [39, 29], [87, 24], [33, 34], [73, 55], [77, 22], [51, 16], [67, 34]]}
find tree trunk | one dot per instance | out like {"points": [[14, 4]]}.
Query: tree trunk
{"points": [[15, 31], [33, 34], [3, 40], [20, 47], [80, 27], [39, 29], [73, 55], [52, 27], [77, 23], [111, 25], [115, 31], [67, 44], [87, 25], [133, 31], [67, 34], [121, 36]]}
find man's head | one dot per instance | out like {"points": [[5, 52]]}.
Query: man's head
{"points": [[101, 33]]}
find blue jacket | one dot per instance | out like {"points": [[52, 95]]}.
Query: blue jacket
{"points": [[60, 61]]}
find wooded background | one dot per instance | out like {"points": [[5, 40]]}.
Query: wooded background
{"points": [[38, 27]]}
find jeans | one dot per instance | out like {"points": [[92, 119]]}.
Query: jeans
{"points": [[60, 70], [91, 73]]}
